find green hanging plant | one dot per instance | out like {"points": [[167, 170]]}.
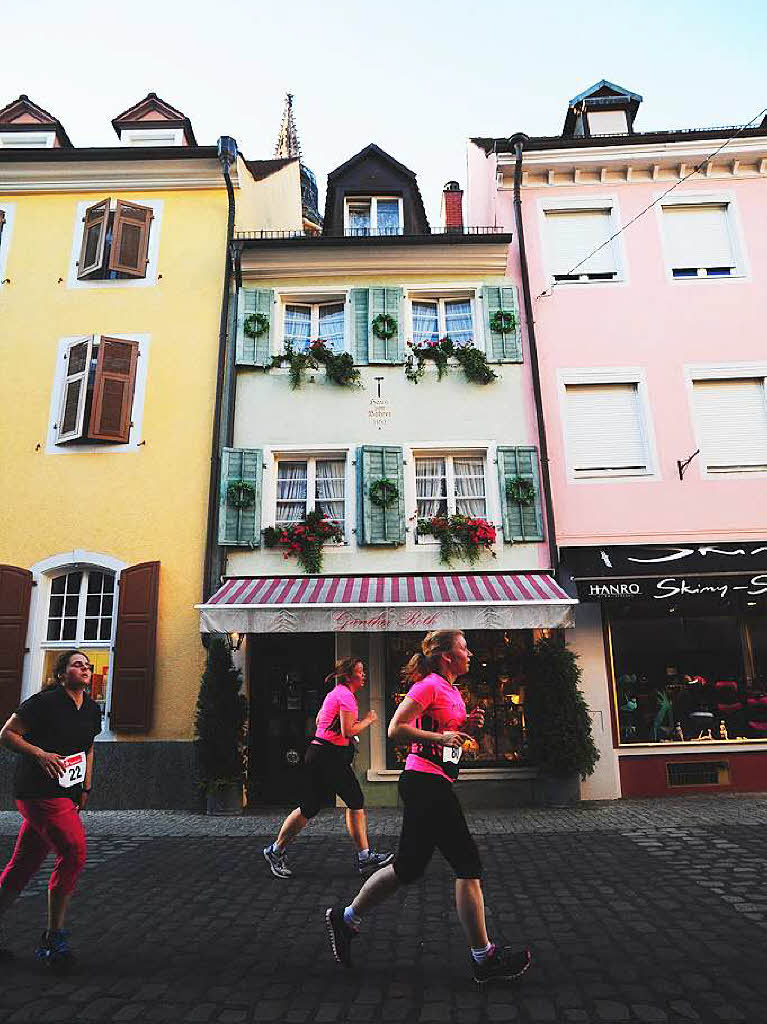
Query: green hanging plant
{"points": [[461, 537], [383, 493], [339, 367], [255, 325], [520, 491], [384, 326], [503, 321], [474, 364], [240, 494], [304, 539], [472, 360]]}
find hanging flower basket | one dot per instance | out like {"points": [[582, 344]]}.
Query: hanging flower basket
{"points": [[256, 324], [460, 537], [339, 367], [384, 493], [384, 326], [304, 539], [520, 491], [472, 360], [503, 322], [240, 494]]}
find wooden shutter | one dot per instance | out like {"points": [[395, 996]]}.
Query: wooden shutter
{"points": [[520, 522], [133, 673], [130, 239], [15, 594], [731, 417], [240, 527], [77, 364], [113, 390], [377, 525], [698, 236], [386, 300], [573, 234], [604, 424], [503, 346], [254, 351], [95, 226], [360, 300]]}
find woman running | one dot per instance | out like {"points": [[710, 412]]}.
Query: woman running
{"points": [[430, 717], [328, 769], [53, 731]]}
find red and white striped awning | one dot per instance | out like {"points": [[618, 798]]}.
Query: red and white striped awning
{"points": [[362, 604]]}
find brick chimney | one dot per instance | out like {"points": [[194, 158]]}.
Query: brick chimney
{"points": [[452, 207]]}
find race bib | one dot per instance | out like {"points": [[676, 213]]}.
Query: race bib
{"points": [[74, 770], [451, 755]]}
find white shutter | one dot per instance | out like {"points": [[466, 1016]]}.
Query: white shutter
{"points": [[732, 423], [698, 236], [573, 234], [74, 388], [605, 429]]}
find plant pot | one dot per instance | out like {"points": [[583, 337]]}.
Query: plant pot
{"points": [[225, 801], [557, 791]]}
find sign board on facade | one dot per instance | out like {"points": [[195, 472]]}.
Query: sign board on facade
{"points": [[669, 588]]}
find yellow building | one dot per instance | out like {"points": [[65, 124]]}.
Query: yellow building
{"points": [[112, 266]]}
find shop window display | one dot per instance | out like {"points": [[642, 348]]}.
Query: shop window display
{"points": [[496, 681]]}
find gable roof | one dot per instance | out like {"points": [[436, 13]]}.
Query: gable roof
{"points": [[23, 114], [372, 150], [153, 110]]}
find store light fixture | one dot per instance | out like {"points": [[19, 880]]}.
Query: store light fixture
{"points": [[234, 641]]}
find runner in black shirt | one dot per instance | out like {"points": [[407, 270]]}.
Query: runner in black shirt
{"points": [[53, 732]]}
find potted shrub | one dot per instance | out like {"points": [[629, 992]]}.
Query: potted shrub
{"points": [[220, 726], [559, 736]]}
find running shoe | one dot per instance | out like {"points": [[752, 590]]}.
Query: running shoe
{"points": [[372, 861], [277, 862], [340, 935], [503, 964], [54, 950]]}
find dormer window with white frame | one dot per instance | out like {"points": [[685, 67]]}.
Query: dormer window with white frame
{"points": [[27, 140], [159, 136], [373, 215], [579, 243], [304, 322], [115, 241], [700, 239], [435, 318]]}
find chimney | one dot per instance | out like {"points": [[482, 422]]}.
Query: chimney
{"points": [[452, 207]]}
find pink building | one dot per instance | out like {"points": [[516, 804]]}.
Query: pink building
{"points": [[643, 256]]}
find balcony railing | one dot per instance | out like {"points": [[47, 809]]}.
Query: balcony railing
{"points": [[370, 233]]}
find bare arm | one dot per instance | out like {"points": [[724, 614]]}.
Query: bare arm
{"points": [[400, 730], [88, 783], [12, 738], [350, 727]]}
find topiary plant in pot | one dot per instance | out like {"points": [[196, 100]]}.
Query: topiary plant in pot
{"points": [[559, 736], [220, 719]]}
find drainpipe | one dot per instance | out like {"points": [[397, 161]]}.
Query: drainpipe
{"points": [[227, 155], [518, 141]]}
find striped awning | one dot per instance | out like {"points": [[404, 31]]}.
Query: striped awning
{"points": [[361, 604]]}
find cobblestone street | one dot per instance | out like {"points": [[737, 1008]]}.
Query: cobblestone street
{"points": [[636, 911]]}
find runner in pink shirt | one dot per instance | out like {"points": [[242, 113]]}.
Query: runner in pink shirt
{"points": [[431, 717], [328, 769]]}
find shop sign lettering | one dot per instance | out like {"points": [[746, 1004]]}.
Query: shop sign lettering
{"points": [[383, 619], [614, 590], [672, 587]]}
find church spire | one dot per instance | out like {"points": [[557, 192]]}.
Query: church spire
{"points": [[287, 140]]}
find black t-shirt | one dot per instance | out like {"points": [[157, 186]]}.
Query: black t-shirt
{"points": [[56, 724]]}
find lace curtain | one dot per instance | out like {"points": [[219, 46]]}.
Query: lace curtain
{"points": [[291, 492], [458, 324], [425, 323], [331, 479], [298, 325], [430, 487], [469, 487], [388, 216], [332, 326]]}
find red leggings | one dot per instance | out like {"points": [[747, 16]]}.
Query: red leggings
{"points": [[48, 825]]}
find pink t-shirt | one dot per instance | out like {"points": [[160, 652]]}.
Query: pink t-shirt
{"points": [[443, 711], [339, 699]]}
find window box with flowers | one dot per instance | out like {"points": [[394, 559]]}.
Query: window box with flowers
{"points": [[472, 360], [304, 539], [339, 366], [460, 537]]}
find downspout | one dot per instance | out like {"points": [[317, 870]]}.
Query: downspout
{"points": [[227, 155], [518, 141]]}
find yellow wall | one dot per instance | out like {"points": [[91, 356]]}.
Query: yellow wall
{"points": [[272, 204]]}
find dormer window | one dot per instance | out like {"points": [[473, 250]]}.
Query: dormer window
{"points": [[373, 215], [27, 140], [159, 136]]}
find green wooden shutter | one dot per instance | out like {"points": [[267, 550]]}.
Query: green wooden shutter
{"points": [[254, 351], [520, 522], [376, 525], [240, 527], [360, 301], [386, 300], [506, 347]]}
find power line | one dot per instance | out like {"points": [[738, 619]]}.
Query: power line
{"points": [[695, 170]]}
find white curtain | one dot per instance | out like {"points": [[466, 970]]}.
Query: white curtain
{"points": [[359, 220], [425, 324], [430, 487], [469, 487], [298, 325], [458, 323], [332, 326], [330, 486], [388, 217], [291, 491]]}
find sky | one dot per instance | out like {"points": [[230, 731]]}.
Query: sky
{"points": [[416, 77]]}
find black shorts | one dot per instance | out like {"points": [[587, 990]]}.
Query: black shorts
{"points": [[327, 773], [433, 819]]}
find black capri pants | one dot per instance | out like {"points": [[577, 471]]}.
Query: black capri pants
{"points": [[433, 819], [327, 773]]}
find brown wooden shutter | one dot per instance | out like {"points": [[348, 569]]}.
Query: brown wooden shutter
{"points": [[95, 224], [130, 239], [15, 593], [113, 388], [133, 673]]}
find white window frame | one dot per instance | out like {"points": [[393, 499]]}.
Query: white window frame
{"points": [[150, 278], [449, 454], [373, 200], [721, 371], [159, 136], [598, 202], [734, 227], [27, 140], [441, 300], [314, 313], [139, 396], [311, 457], [9, 209], [610, 375]]}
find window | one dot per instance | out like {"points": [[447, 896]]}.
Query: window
{"points": [[374, 215], [731, 417], [308, 484], [699, 240], [579, 246], [435, 318], [450, 485], [305, 322], [97, 390], [605, 430], [152, 137], [115, 243], [27, 140]]}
